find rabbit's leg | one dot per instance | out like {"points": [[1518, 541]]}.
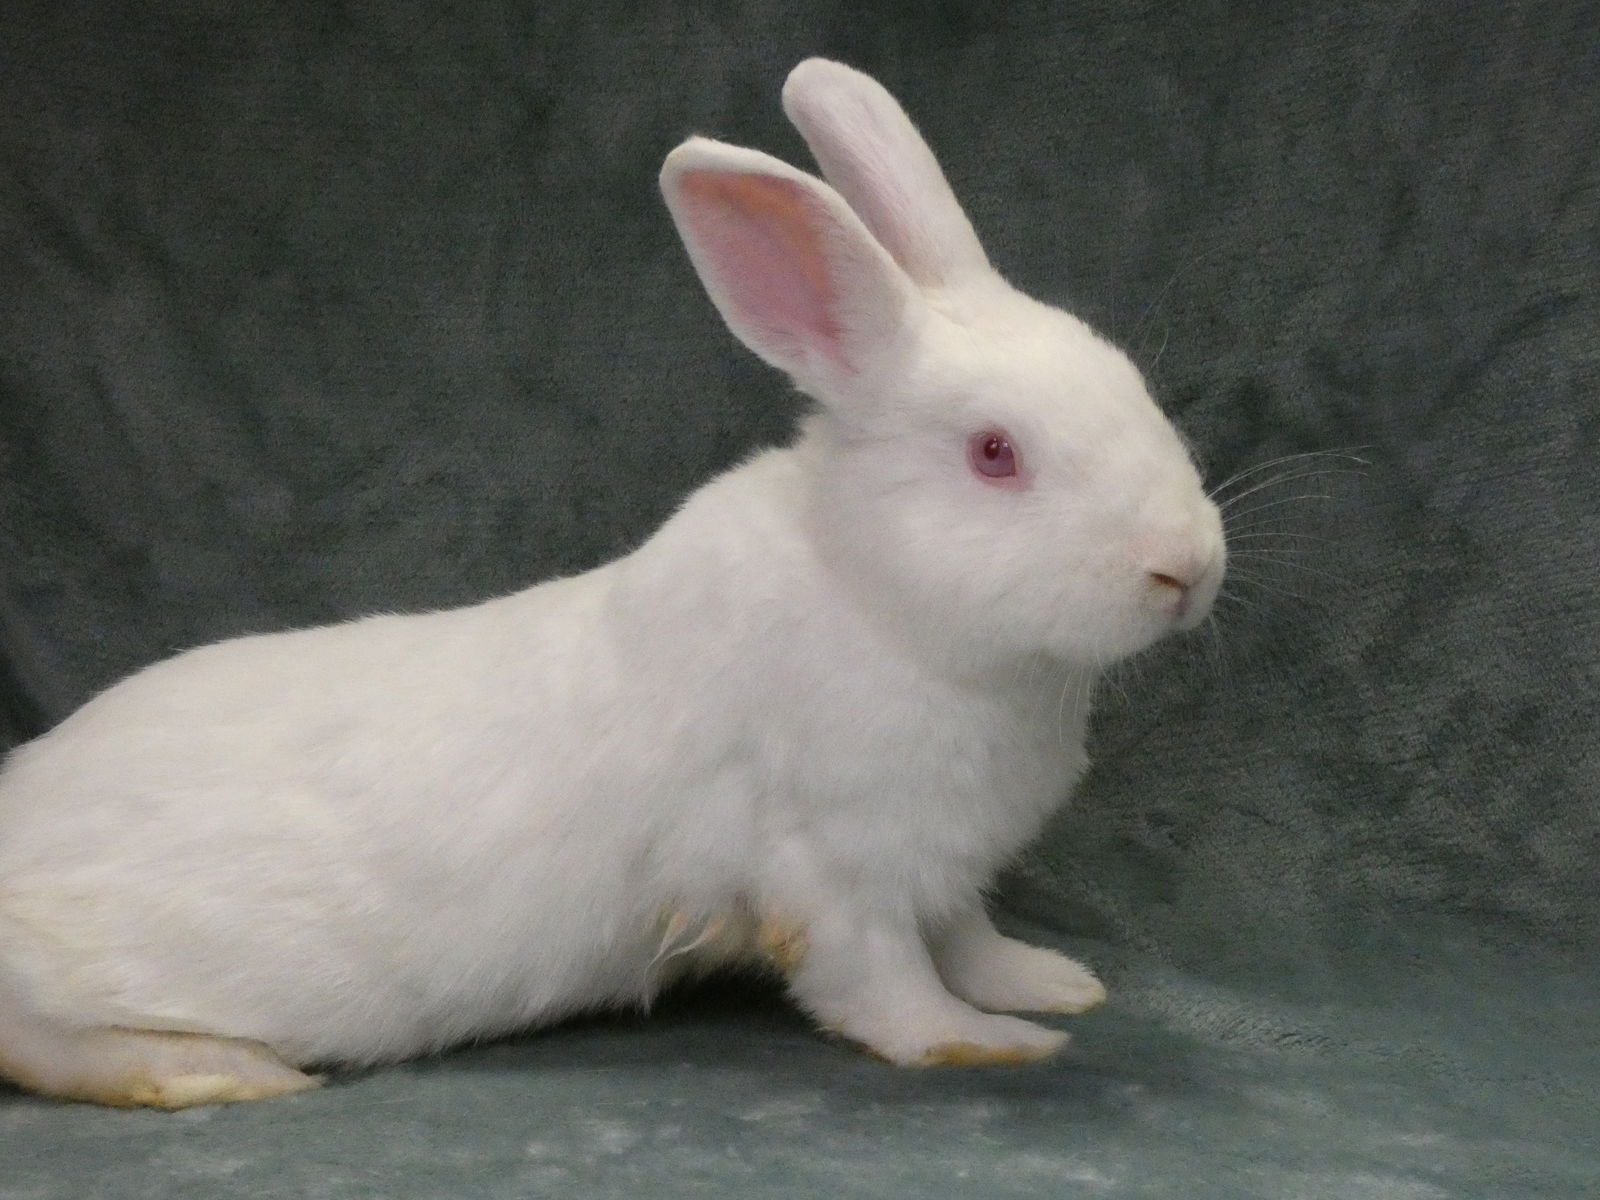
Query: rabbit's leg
{"points": [[131, 1068], [994, 972], [870, 979]]}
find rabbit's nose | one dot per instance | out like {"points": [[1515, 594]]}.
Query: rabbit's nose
{"points": [[1178, 570], [1177, 583], [1184, 584], [1173, 587]]}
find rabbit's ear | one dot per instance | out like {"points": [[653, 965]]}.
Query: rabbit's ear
{"points": [[869, 150], [794, 272]]}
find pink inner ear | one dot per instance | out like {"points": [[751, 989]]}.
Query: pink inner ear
{"points": [[762, 239]]}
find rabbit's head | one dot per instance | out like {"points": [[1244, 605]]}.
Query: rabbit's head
{"points": [[986, 471]]}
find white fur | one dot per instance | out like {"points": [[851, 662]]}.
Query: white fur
{"points": [[834, 693]]}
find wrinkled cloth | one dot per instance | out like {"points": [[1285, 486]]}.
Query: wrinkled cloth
{"points": [[312, 311]]}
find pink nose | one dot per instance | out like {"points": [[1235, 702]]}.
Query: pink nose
{"points": [[1175, 587], [1175, 582]]}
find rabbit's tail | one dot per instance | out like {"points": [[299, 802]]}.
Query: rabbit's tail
{"points": [[132, 1068]]}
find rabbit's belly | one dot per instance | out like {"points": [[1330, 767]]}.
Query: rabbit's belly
{"points": [[319, 1003], [321, 971], [360, 942]]}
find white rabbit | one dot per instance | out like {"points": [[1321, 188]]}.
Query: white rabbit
{"points": [[805, 723]]}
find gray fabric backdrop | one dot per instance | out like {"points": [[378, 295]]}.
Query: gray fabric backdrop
{"points": [[309, 310]]}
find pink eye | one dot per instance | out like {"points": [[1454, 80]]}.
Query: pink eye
{"points": [[992, 455]]}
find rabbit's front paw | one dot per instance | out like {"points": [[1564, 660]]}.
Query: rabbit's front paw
{"points": [[1001, 974], [976, 1039]]}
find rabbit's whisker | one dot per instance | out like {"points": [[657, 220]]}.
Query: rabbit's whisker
{"points": [[1274, 481], [1240, 476]]}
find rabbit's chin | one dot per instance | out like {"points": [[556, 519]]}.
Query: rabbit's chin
{"points": [[981, 641], [980, 655], [1111, 642]]}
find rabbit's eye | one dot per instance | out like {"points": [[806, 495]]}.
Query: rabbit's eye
{"points": [[992, 455]]}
